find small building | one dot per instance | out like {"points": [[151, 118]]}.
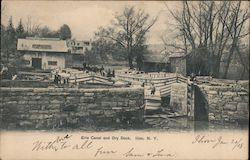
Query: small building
{"points": [[178, 64], [43, 53], [155, 63], [159, 60]]}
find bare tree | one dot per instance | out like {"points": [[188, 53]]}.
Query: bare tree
{"points": [[129, 29], [31, 27], [206, 29]]}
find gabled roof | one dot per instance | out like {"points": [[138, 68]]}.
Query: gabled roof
{"points": [[42, 45], [176, 55], [155, 58]]}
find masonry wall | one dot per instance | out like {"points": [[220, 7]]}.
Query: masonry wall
{"points": [[226, 104], [55, 108]]}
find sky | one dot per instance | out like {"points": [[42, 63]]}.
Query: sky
{"points": [[85, 17]]}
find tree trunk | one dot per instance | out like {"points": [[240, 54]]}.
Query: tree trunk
{"points": [[130, 60], [229, 61], [216, 68]]}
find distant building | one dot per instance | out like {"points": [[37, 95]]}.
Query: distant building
{"points": [[178, 63], [78, 47], [159, 60], [78, 51], [43, 53], [155, 63]]}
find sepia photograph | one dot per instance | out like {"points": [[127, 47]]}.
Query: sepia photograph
{"points": [[124, 79]]}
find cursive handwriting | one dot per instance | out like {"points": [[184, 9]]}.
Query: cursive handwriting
{"points": [[60, 143], [218, 141], [55, 145], [100, 151], [159, 153]]}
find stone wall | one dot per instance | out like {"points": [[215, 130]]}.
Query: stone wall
{"points": [[55, 108], [178, 98], [226, 103]]}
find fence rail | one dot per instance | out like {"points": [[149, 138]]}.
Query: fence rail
{"points": [[161, 81]]}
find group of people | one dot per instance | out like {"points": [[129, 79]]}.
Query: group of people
{"points": [[62, 78], [101, 70], [8, 73]]}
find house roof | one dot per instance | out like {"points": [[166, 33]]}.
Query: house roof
{"points": [[155, 58], [176, 55], [42, 44], [162, 58]]}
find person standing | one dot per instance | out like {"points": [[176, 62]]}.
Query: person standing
{"points": [[152, 88]]}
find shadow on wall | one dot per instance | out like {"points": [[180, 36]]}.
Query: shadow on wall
{"points": [[200, 106]]}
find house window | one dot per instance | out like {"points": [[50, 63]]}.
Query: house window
{"points": [[86, 43], [52, 63], [41, 46], [80, 48]]}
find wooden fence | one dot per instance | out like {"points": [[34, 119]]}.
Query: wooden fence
{"points": [[161, 81]]}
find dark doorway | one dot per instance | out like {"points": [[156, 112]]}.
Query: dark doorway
{"points": [[200, 110], [37, 63]]}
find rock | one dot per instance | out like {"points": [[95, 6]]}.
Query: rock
{"points": [[212, 92], [55, 101], [229, 93], [25, 123], [243, 107], [89, 94], [230, 106]]}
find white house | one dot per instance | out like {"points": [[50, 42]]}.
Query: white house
{"points": [[43, 53]]}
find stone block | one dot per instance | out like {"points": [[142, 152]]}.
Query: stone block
{"points": [[43, 102], [44, 112], [122, 104], [36, 116], [82, 114], [242, 93], [109, 112], [228, 93], [243, 107], [86, 99], [53, 106], [22, 102], [245, 98], [230, 106], [89, 94], [93, 106], [11, 102], [46, 116], [54, 111], [32, 102], [35, 107], [237, 99], [33, 111], [30, 94], [55, 101], [95, 112], [212, 92], [25, 123], [212, 107]]}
